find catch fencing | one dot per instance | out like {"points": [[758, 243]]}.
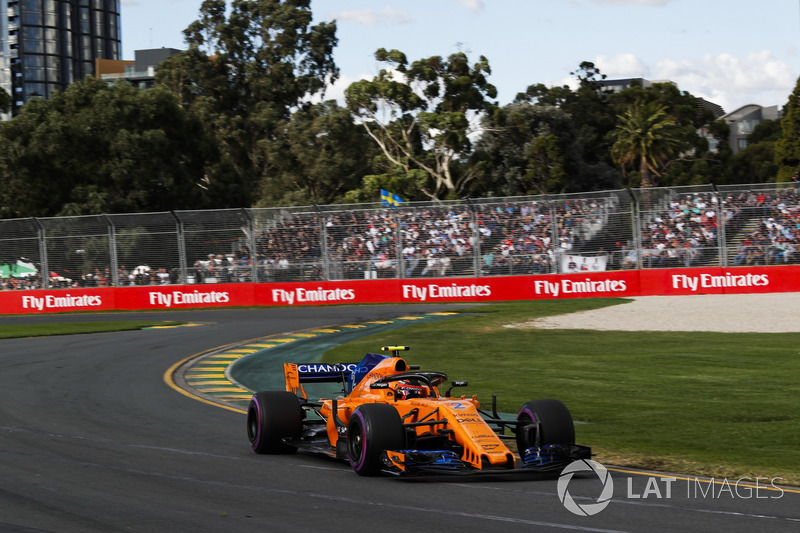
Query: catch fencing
{"points": [[695, 226]]}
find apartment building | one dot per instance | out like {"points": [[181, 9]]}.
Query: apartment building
{"points": [[47, 44]]}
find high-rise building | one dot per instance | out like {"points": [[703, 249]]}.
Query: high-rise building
{"points": [[47, 44]]}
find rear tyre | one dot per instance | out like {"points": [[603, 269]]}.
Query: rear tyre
{"points": [[372, 429], [544, 422], [271, 417]]}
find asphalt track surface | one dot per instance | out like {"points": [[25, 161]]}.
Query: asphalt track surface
{"points": [[93, 439]]}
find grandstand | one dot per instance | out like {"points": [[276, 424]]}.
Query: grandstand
{"points": [[737, 225]]}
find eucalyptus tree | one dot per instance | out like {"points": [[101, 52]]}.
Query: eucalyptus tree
{"points": [[324, 155], [249, 66], [592, 117], [787, 148], [527, 149], [97, 149], [756, 163], [423, 115]]}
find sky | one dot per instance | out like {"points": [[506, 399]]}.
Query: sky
{"points": [[730, 52]]}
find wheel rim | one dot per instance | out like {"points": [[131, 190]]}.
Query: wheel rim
{"points": [[525, 418], [355, 443]]}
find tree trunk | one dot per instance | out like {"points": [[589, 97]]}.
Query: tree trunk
{"points": [[647, 176]]}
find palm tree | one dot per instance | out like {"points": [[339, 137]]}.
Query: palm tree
{"points": [[646, 135]]}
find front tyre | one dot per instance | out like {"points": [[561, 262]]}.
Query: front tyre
{"points": [[271, 417], [544, 422], [373, 428]]}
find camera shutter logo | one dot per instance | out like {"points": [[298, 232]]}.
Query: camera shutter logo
{"points": [[586, 509]]}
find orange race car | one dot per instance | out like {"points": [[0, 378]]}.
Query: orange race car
{"points": [[391, 417]]}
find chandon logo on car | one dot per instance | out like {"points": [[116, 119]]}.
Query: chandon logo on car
{"points": [[317, 368]]}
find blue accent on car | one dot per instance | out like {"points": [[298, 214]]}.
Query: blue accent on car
{"points": [[544, 455], [443, 459], [363, 368]]}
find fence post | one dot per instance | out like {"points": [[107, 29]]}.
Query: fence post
{"points": [[722, 237], [323, 244], [42, 237], [251, 243], [476, 239], [182, 259], [400, 271], [636, 230], [112, 250], [554, 240]]}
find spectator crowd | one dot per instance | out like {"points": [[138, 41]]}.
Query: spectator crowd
{"points": [[480, 238]]}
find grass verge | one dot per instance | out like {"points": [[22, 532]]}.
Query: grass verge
{"points": [[41, 330], [700, 403]]}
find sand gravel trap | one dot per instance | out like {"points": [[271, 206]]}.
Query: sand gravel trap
{"points": [[765, 313]]}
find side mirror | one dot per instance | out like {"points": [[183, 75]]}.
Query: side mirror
{"points": [[455, 384]]}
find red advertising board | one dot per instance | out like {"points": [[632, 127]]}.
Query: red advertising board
{"points": [[57, 301], [719, 280], [627, 283], [185, 296]]}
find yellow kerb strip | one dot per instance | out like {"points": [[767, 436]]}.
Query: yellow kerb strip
{"points": [[190, 374]]}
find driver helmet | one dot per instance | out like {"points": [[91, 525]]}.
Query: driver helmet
{"points": [[407, 389]]}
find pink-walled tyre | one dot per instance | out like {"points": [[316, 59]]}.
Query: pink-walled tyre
{"points": [[544, 422], [273, 416], [373, 428]]}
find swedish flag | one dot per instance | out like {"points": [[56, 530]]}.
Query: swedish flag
{"points": [[389, 199]]}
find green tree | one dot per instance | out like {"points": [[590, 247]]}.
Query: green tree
{"points": [[766, 131], [593, 119], [545, 165], [754, 164], [521, 141], [645, 138], [324, 154], [787, 148], [98, 149], [422, 115], [695, 162], [248, 67]]}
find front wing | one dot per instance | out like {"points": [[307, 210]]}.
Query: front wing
{"points": [[550, 458]]}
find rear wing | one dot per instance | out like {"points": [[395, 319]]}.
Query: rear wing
{"points": [[298, 373], [350, 374]]}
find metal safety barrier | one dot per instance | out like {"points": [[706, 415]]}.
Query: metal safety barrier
{"points": [[693, 226]]}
